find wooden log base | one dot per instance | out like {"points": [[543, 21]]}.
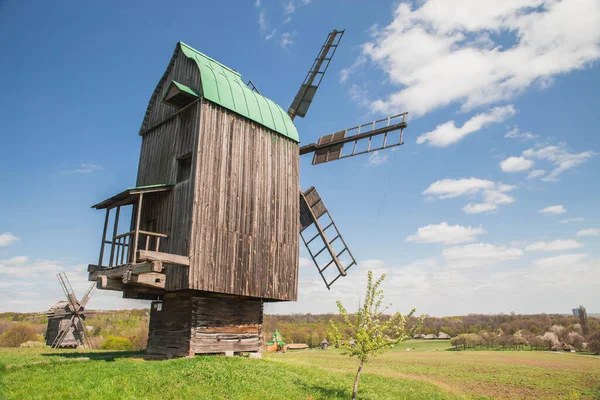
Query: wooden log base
{"points": [[184, 324]]}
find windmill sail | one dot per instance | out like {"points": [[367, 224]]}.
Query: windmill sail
{"points": [[88, 294], [324, 252], [366, 138], [315, 75]]}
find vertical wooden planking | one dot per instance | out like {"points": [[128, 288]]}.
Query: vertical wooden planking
{"points": [[246, 208]]}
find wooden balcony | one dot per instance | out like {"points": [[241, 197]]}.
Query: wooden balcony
{"points": [[135, 261]]}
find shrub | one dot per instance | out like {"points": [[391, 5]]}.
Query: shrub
{"points": [[17, 334], [593, 344], [32, 344], [117, 343], [139, 339]]}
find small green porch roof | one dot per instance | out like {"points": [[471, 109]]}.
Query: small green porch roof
{"points": [[224, 86]]}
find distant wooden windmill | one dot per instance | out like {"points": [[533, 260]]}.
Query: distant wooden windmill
{"points": [[66, 319], [217, 211]]}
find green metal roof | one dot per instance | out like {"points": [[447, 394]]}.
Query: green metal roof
{"points": [[224, 86], [183, 88]]}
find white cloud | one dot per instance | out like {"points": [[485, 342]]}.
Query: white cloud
{"points": [[85, 168], [448, 133], [257, 3], [7, 238], [589, 232], [287, 39], [553, 210], [554, 245], [516, 164], [447, 234], [270, 35], [305, 262], [478, 254], [15, 260], [19, 267], [43, 290], [376, 158], [516, 134], [449, 188], [563, 260], [262, 21], [536, 173], [427, 50], [345, 72], [290, 7], [569, 220], [428, 283], [560, 157], [492, 194]]}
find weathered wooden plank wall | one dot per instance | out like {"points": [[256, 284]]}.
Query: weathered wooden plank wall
{"points": [[189, 324], [170, 328], [54, 326], [225, 324], [169, 213], [162, 146], [245, 229]]}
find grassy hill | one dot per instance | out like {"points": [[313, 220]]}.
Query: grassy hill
{"points": [[428, 372]]}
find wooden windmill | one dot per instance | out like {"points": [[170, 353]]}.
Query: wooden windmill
{"points": [[216, 213], [66, 319]]}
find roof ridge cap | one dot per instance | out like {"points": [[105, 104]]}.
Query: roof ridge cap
{"points": [[210, 58]]}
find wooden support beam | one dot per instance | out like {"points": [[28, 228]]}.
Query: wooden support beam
{"points": [[167, 258], [152, 280], [103, 282], [115, 230], [144, 283], [137, 228], [104, 236], [117, 272]]}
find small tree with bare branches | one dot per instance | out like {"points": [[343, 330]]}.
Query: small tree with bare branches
{"points": [[371, 331]]}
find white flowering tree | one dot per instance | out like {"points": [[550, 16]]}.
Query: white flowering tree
{"points": [[372, 331]]}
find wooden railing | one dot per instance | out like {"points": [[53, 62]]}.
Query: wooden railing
{"points": [[121, 252]]}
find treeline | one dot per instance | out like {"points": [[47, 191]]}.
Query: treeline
{"points": [[557, 338], [311, 329], [498, 330]]}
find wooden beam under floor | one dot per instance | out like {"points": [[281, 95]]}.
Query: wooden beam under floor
{"points": [[117, 272], [167, 258]]}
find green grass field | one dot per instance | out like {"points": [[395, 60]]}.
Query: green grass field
{"points": [[428, 372]]}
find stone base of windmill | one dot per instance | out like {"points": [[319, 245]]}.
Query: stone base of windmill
{"points": [[186, 324]]}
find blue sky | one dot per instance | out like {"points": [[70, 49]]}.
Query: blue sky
{"points": [[490, 206]]}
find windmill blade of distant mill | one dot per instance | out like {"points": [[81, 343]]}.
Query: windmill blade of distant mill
{"points": [[324, 252], [68, 290], [366, 138], [88, 294], [315, 75], [79, 324]]}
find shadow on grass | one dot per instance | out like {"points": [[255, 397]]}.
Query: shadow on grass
{"points": [[325, 392], [104, 356]]}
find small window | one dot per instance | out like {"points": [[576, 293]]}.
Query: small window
{"points": [[157, 306], [184, 167]]}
